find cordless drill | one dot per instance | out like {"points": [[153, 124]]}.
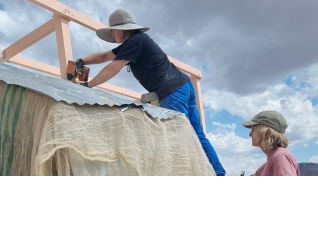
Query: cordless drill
{"points": [[77, 70]]}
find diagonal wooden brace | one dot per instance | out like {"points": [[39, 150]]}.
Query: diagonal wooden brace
{"points": [[28, 40]]}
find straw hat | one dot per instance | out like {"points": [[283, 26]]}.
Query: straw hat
{"points": [[120, 19]]}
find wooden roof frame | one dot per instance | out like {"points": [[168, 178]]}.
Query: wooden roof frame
{"points": [[62, 14]]}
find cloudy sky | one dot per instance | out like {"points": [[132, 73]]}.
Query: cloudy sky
{"points": [[255, 55]]}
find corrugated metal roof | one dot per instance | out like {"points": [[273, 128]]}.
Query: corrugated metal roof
{"points": [[62, 90]]}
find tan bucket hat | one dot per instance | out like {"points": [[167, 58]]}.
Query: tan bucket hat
{"points": [[269, 118], [120, 19]]}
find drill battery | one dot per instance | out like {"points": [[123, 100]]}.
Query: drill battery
{"points": [[71, 72]]}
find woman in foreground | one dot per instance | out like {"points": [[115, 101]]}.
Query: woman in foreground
{"points": [[268, 128]]}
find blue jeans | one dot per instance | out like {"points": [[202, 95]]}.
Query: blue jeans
{"points": [[183, 100]]}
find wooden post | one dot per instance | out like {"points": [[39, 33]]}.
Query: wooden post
{"points": [[63, 39], [197, 87]]}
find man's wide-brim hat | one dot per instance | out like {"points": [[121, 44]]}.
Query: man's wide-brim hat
{"points": [[120, 19]]}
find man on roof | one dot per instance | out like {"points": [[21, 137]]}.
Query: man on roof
{"points": [[152, 68]]}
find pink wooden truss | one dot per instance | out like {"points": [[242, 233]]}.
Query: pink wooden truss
{"points": [[60, 24]]}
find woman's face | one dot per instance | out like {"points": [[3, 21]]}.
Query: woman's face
{"points": [[254, 141], [118, 35]]}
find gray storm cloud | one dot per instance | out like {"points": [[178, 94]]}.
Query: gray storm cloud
{"points": [[247, 45]]}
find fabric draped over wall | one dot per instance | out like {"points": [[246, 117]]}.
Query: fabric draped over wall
{"points": [[42, 136]]}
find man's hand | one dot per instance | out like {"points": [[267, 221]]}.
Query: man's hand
{"points": [[82, 84], [79, 66]]}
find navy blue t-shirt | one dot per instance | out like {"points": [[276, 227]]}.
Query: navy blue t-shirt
{"points": [[150, 65]]}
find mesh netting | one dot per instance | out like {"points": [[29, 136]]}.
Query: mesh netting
{"points": [[41, 136]]}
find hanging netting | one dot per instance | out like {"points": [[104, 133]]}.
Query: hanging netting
{"points": [[41, 136]]}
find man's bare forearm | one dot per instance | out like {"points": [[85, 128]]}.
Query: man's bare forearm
{"points": [[104, 75], [107, 73], [99, 57]]}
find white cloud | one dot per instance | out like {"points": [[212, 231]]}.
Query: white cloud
{"points": [[314, 159], [189, 42], [240, 50], [224, 127], [7, 24], [231, 145], [293, 102], [234, 165], [236, 154]]}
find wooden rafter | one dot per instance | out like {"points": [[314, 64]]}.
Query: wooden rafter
{"points": [[35, 65], [186, 68], [62, 15], [55, 71], [69, 13]]}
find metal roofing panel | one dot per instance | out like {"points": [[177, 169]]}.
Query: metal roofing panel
{"points": [[62, 90]]}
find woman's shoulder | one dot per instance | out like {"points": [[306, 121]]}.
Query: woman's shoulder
{"points": [[281, 151], [283, 154]]}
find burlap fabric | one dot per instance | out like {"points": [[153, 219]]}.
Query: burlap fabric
{"points": [[41, 136]]}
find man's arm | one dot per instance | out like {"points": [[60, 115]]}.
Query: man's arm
{"points": [[108, 72], [99, 57]]}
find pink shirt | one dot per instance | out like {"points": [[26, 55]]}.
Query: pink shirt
{"points": [[280, 163]]}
